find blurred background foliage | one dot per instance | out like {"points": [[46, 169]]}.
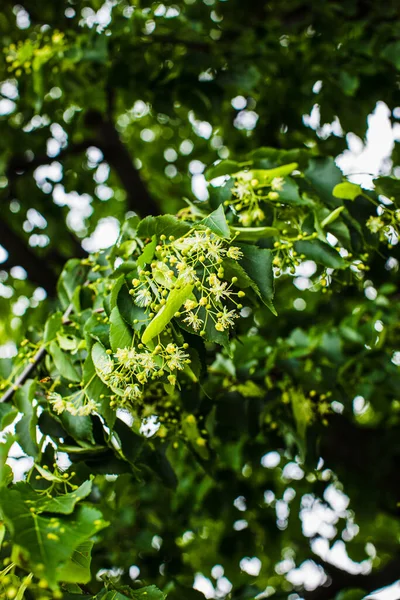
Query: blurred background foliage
{"points": [[109, 108]]}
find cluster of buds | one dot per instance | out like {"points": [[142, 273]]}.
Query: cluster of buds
{"points": [[196, 259], [250, 199], [286, 259], [386, 225], [131, 369], [77, 404]]}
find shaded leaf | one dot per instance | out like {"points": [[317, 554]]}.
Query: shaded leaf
{"points": [[321, 253], [257, 263]]}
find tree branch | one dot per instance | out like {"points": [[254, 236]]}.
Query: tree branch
{"points": [[118, 157], [339, 580]]}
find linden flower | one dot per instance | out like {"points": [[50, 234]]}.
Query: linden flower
{"points": [[217, 287], [132, 391], [375, 224], [57, 403], [193, 321], [177, 359], [146, 360], [235, 253], [192, 243], [225, 319], [142, 297], [258, 214], [71, 408], [187, 275], [277, 184], [125, 357], [190, 304], [242, 189], [89, 408], [246, 218], [115, 379], [214, 249]]}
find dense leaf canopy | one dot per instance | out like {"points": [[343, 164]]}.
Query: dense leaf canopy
{"points": [[199, 335]]}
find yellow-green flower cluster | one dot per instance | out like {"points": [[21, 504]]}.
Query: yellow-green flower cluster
{"points": [[76, 404], [194, 259], [130, 369], [249, 196], [386, 225]]}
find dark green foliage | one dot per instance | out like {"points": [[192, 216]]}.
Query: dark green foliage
{"points": [[155, 448]]}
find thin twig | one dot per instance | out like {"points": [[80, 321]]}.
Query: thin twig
{"points": [[40, 354]]}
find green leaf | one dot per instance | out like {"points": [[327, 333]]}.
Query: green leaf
{"points": [[77, 569], [302, 411], [148, 252], [63, 504], [347, 190], [290, 194], [25, 583], [26, 426], [95, 388], [96, 329], [324, 175], [224, 167], [7, 415], [103, 363], [265, 176], [349, 83], [257, 263], [150, 592], [233, 269], [253, 234], [64, 363], [332, 216], [130, 312], [130, 442], [351, 594], [392, 53], [389, 187], [164, 224], [115, 291], [216, 221], [47, 542], [72, 276], [174, 301], [321, 253], [53, 324], [48, 475], [120, 334], [80, 428], [6, 474]]}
